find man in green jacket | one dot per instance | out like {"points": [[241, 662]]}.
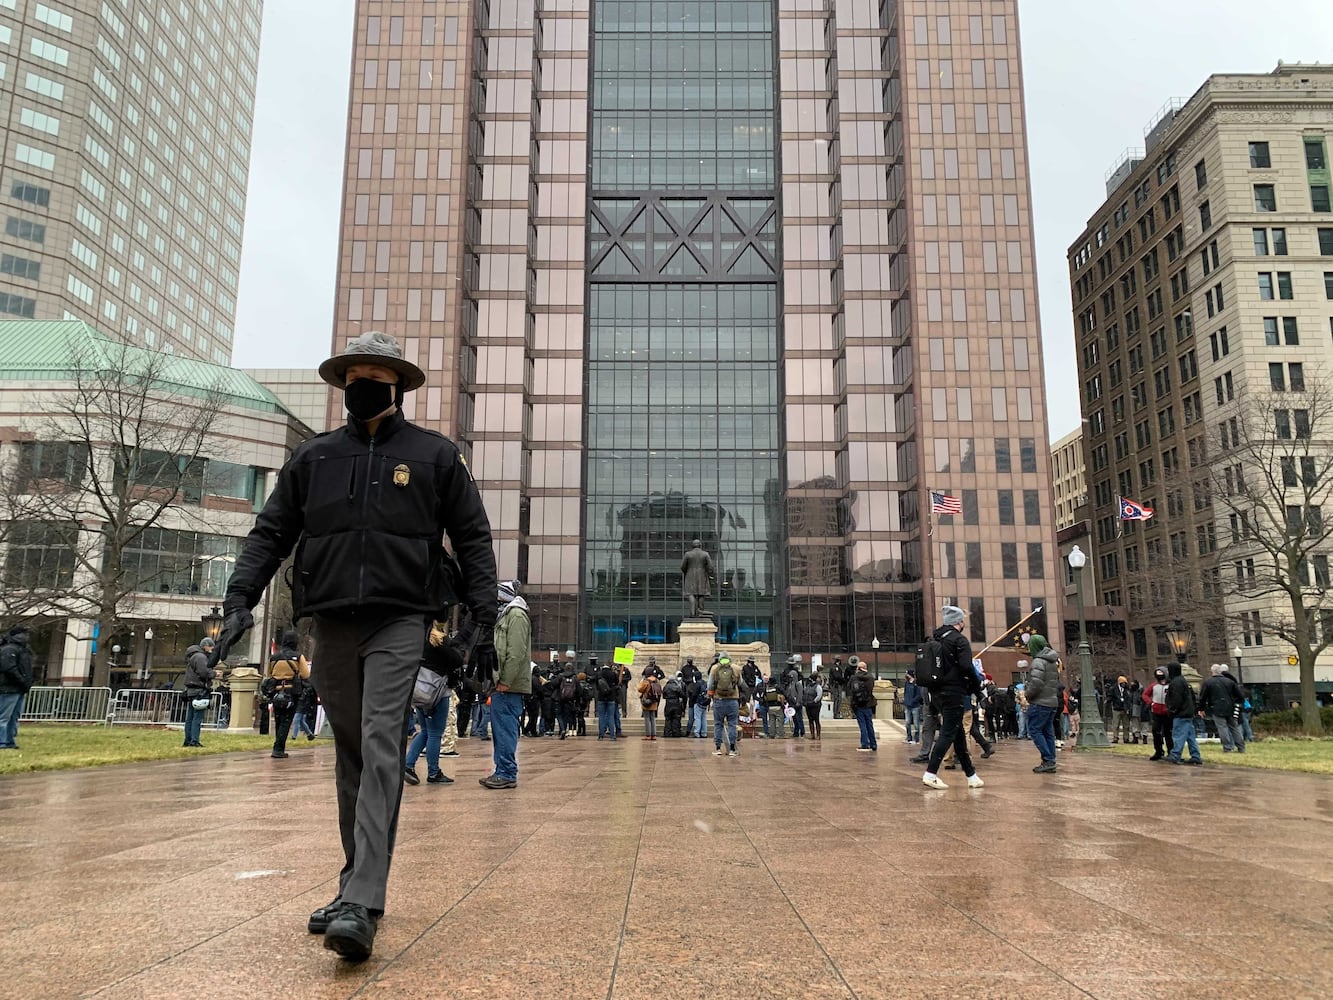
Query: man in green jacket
{"points": [[513, 649]]}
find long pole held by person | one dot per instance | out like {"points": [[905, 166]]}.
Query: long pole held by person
{"points": [[1010, 629]]}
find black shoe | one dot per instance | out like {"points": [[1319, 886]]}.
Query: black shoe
{"points": [[919, 759], [410, 776], [987, 752], [439, 778], [351, 933], [1045, 767], [495, 781], [278, 754], [1157, 756], [319, 920], [310, 737], [951, 767], [1194, 762]]}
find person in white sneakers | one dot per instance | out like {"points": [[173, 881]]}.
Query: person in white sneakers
{"points": [[957, 679]]}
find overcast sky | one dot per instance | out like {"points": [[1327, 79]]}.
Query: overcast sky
{"points": [[1089, 95]]}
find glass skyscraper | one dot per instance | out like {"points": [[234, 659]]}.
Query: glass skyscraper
{"points": [[682, 374], [757, 272]]}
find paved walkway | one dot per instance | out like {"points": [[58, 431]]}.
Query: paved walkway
{"points": [[639, 870]]}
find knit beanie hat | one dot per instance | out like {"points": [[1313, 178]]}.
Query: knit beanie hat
{"points": [[1036, 644], [953, 615]]}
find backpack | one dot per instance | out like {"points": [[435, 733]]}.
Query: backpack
{"points": [[428, 689], [862, 691], [726, 681], [812, 694], [568, 687], [929, 664], [606, 688], [653, 695]]}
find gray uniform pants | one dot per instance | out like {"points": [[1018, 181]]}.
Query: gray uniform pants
{"points": [[364, 673]]}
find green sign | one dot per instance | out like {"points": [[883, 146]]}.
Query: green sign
{"points": [[625, 655]]}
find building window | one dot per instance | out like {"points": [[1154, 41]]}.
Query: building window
{"points": [[1326, 242], [1277, 378], [1314, 155], [1265, 285], [20, 267], [22, 229], [1200, 175], [1284, 285], [1319, 197], [1009, 560], [1205, 216], [17, 305], [1259, 155], [972, 560], [1265, 198]]}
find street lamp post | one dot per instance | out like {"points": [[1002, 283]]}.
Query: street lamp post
{"points": [[1235, 655], [1091, 731], [147, 648], [874, 644], [1180, 636], [212, 623]]}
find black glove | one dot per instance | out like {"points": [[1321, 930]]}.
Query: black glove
{"points": [[234, 626], [484, 658]]}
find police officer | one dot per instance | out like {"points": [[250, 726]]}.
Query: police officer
{"points": [[366, 508]]}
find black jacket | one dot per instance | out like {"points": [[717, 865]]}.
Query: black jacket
{"points": [[15, 666], [1180, 702], [1221, 696], [956, 663], [367, 517]]}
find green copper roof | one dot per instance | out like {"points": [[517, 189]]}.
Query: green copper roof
{"points": [[38, 350]]}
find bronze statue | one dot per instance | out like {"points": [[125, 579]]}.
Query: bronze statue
{"points": [[697, 570]]}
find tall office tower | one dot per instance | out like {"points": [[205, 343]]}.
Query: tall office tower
{"points": [[1201, 283], [757, 273], [126, 130]]}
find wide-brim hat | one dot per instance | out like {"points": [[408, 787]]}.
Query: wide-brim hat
{"points": [[372, 348]]}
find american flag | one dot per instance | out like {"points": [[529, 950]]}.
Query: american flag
{"points": [[942, 503], [1131, 511]]}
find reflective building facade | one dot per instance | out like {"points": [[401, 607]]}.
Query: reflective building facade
{"points": [[753, 272]]}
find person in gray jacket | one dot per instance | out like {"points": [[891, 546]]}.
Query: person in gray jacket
{"points": [[1043, 693], [199, 677]]}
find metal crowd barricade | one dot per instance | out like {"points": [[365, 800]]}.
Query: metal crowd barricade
{"points": [[66, 704], [146, 707]]}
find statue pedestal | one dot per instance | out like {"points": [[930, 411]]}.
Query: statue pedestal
{"points": [[886, 694], [244, 683], [698, 639]]}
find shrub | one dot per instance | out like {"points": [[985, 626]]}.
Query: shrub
{"points": [[1287, 722]]}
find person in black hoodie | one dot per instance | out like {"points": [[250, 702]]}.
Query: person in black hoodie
{"points": [[15, 683], [958, 680], [284, 687], [1182, 706]]}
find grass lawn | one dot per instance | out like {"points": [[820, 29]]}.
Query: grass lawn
{"points": [[56, 748], [1275, 754]]}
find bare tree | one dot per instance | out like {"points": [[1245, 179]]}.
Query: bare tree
{"points": [[113, 457], [1271, 480]]}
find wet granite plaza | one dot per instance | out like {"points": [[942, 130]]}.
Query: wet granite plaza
{"points": [[656, 870]]}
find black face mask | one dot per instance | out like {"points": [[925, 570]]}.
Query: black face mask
{"points": [[366, 398]]}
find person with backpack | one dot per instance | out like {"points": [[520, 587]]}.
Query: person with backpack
{"points": [[650, 697], [814, 702], [1043, 700], [912, 707], [623, 677], [837, 682], [724, 688], [673, 704], [773, 705], [567, 693], [607, 683], [288, 675], [944, 666], [794, 689], [861, 694]]}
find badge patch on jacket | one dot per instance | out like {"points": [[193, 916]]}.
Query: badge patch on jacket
{"points": [[402, 475]]}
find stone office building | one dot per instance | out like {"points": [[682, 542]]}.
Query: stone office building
{"points": [[754, 272], [1203, 281]]}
